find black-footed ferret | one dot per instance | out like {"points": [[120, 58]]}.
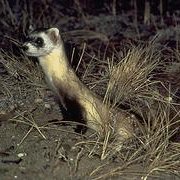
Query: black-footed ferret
{"points": [[76, 99]]}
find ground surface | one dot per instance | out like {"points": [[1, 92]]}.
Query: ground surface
{"points": [[34, 143]]}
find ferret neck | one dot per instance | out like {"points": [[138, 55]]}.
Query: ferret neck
{"points": [[55, 62]]}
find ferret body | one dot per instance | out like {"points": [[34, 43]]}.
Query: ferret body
{"points": [[75, 98]]}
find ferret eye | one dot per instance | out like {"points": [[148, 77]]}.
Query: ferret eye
{"points": [[39, 41]]}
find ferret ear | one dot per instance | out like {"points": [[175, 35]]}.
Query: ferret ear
{"points": [[54, 35], [55, 30]]}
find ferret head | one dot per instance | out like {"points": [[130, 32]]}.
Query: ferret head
{"points": [[42, 41]]}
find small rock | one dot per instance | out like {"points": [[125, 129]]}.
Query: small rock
{"points": [[47, 106], [21, 155]]}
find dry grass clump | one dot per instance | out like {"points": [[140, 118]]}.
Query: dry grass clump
{"points": [[131, 78], [152, 150], [21, 82], [157, 133], [21, 68]]}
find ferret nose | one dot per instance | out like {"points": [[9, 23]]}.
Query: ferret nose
{"points": [[25, 47]]}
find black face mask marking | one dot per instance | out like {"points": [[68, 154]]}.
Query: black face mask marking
{"points": [[39, 42], [36, 41]]}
